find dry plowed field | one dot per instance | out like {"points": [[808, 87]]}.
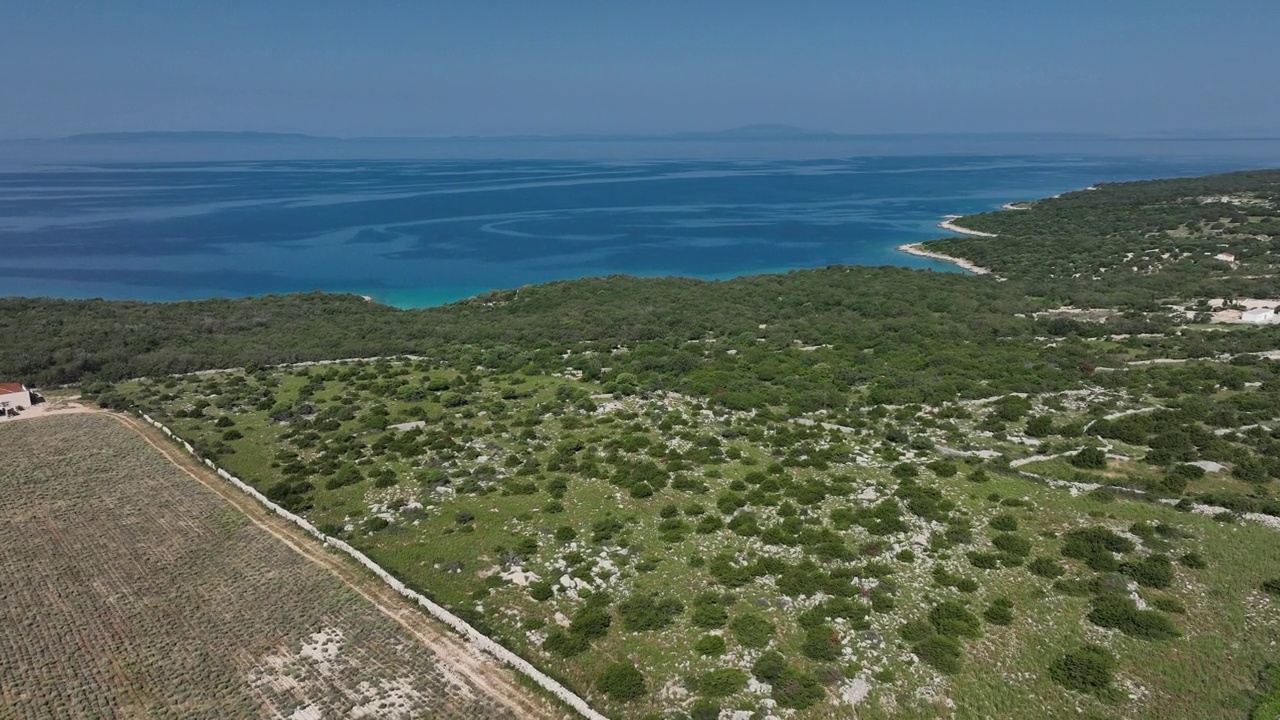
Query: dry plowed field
{"points": [[128, 588]]}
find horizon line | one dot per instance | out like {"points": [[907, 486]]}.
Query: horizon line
{"points": [[754, 132]]}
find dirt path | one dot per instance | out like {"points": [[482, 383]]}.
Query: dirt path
{"points": [[494, 680]]}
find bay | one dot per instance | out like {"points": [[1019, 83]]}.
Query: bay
{"points": [[422, 232]]}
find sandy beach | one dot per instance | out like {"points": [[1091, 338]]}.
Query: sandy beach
{"points": [[918, 251], [949, 223]]}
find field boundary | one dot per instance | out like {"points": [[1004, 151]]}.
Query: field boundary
{"points": [[474, 637]]}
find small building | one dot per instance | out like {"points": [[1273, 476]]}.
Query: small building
{"points": [[1260, 316], [14, 396], [1225, 257]]}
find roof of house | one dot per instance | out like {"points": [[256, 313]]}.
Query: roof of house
{"points": [[6, 388]]}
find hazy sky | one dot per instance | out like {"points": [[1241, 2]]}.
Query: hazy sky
{"points": [[419, 67]]}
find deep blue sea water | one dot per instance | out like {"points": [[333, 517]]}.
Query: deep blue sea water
{"points": [[423, 232]]}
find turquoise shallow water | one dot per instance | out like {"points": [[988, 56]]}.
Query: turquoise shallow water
{"points": [[418, 233]]}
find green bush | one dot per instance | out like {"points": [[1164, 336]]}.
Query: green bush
{"points": [[709, 611], [704, 709], [1046, 567], [916, 630], [1087, 669], [769, 666], [1267, 704], [1089, 459], [1271, 586], [881, 601], [641, 613], [622, 681], [943, 468], [721, 683], [984, 560], [712, 645], [953, 619], [999, 612], [591, 622], [1171, 485], [708, 524], [1193, 560], [751, 630], [905, 470], [1154, 571], [1004, 522], [540, 590], [941, 652], [565, 644], [1111, 610], [1012, 544], [1095, 545], [797, 689], [821, 643]]}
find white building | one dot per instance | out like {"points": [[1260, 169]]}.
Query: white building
{"points": [[1260, 316], [1225, 257], [14, 396]]}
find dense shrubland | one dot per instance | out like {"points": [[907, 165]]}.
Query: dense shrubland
{"points": [[683, 496]]}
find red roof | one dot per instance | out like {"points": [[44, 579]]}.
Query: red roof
{"points": [[6, 388]]}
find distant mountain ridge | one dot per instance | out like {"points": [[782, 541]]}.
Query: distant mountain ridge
{"points": [[766, 132], [762, 131], [187, 136]]}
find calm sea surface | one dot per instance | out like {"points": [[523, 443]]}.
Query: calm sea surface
{"points": [[423, 232]]}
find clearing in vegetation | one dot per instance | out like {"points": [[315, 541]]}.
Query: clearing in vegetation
{"points": [[131, 590]]}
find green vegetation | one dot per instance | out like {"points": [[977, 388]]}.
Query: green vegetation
{"points": [[1267, 704], [622, 681], [1088, 669], [1123, 243], [263, 629], [827, 478]]}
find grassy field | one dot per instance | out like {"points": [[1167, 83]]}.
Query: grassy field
{"points": [[131, 590], [586, 529]]}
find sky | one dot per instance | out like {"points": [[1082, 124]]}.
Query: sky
{"points": [[484, 67]]}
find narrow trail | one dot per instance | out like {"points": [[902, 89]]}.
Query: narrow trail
{"points": [[488, 676]]}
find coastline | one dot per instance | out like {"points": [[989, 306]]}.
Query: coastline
{"points": [[948, 223], [915, 249]]}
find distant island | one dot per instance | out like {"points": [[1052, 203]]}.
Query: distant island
{"points": [[763, 132]]}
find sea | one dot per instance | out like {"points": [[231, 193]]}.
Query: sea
{"points": [[429, 225]]}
